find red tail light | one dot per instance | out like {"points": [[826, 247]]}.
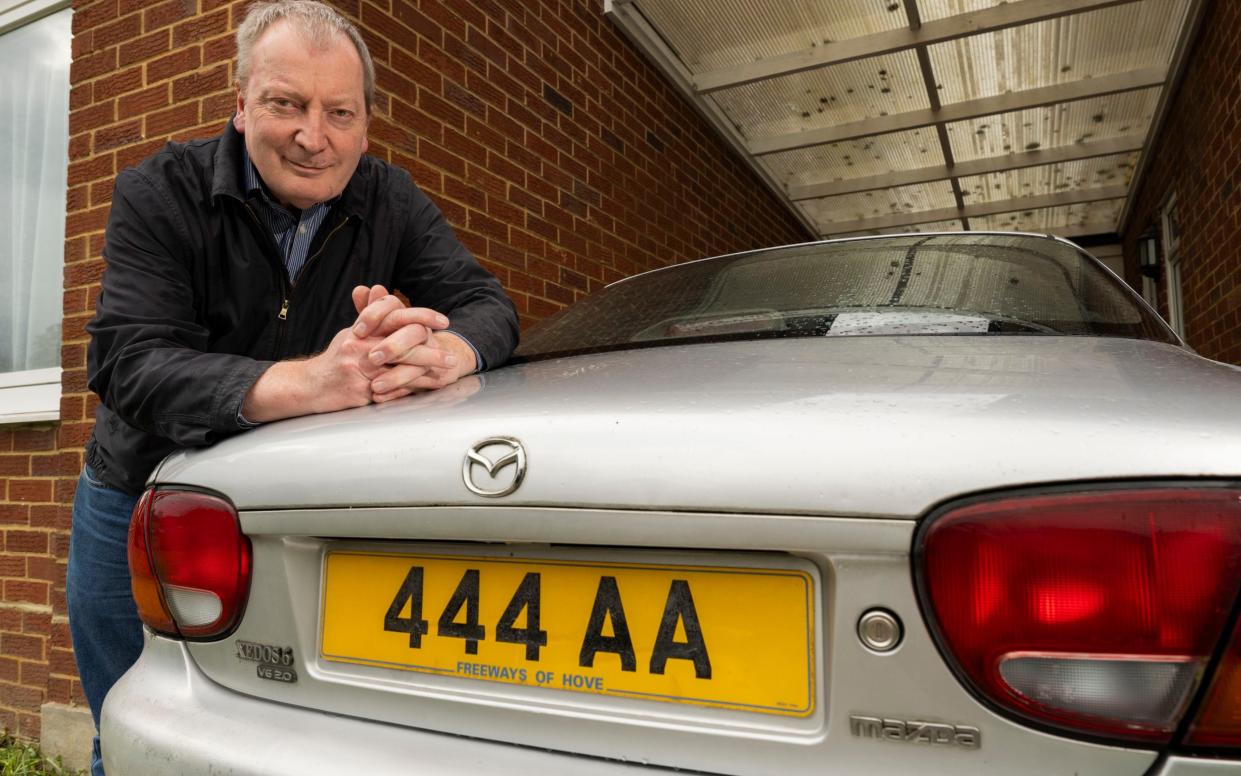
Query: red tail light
{"points": [[189, 562], [1088, 613]]}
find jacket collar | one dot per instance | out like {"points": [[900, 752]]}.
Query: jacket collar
{"points": [[228, 179]]}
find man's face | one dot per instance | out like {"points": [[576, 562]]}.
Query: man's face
{"points": [[303, 114]]}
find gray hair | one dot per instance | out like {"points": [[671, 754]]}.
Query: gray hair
{"points": [[317, 22]]}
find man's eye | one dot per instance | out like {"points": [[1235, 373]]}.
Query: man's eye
{"points": [[281, 102], [343, 114]]}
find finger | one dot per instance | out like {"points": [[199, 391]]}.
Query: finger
{"points": [[380, 398], [429, 356], [425, 383], [361, 297], [370, 371], [406, 316], [350, 354], [394, 348], [376, 293], [397, 377], [432, 380], [352, 347], [369, 319]]}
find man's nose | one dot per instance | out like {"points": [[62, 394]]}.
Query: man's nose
{"points": [[310, 136]]}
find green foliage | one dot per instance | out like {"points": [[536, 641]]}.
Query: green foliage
{"points": [[22, 758]]}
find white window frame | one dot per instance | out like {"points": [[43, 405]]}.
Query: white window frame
{"points": [[16, 13], [32, 395], [1170, 234]]}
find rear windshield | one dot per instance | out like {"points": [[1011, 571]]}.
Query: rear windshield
{"points": [[972, 284]]}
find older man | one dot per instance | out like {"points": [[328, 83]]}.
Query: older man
{"points": [[247, 281]]}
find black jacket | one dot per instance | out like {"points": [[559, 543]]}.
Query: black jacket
{"points": [[190, 312]]}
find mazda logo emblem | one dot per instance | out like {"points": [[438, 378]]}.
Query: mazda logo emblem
{"points": [[507, 451]]}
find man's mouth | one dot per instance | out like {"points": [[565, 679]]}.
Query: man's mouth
{"points": [[314, 168]]}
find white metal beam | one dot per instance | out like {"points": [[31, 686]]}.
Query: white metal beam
{"points": [[976, 210], [1072, 230], [1088, 228], [929, 33], [969, 109], [939, 172]]}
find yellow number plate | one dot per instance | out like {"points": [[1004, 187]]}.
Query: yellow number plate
{"points": [[737, 638]]}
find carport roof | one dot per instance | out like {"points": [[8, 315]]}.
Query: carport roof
{"points": [[874, 116]]}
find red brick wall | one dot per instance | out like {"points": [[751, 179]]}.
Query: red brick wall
{"points": [[1197, 156], [36, 664], [561, 157]]}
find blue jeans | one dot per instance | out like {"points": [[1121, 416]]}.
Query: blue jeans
{"points": [[103, 619]]}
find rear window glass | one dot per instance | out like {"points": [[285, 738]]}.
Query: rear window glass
{"points": [[982, 285]]}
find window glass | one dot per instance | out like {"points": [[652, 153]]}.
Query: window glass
{"points": [[34, 139], [969, 284]]}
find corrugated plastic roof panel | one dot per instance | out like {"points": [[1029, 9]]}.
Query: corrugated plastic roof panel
{"points": [[857, 158], [1052, 219], [802, 90], [1054, 126], [1068, 48], [1049, 179], [954, 225], [942, 9], [712, 34], [840, 94], [830, 212]]}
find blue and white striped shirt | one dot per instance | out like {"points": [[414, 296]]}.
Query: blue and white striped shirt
{"points": [[293, 233]]}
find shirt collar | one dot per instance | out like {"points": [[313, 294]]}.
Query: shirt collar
{"points": [[254, 184]]}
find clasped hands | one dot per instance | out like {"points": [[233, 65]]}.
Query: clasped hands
{"points": [[402, 349], [391, 351]]}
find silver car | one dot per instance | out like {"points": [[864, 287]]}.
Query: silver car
{"points": [[933, 504]]}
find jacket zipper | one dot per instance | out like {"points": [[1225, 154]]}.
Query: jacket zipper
{"points": [[284, 307], [274, 249], [288, 286]]}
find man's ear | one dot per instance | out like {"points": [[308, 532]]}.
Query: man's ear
{"points": [[239, 118]]}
